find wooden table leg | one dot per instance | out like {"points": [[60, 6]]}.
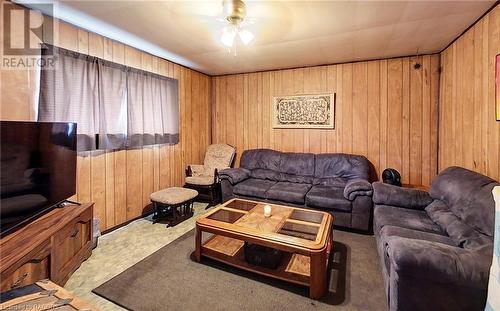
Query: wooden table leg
{"points": [[318, 280], [197, 242]]}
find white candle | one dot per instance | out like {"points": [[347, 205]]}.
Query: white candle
{"points": [[267, 210]]}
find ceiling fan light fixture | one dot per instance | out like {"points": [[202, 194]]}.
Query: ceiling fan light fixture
{"points": [[228, 35], [235, 11], [246, 36]]}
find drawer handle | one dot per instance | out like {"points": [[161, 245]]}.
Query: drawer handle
{"points": [[75, 233], [19, 280]]}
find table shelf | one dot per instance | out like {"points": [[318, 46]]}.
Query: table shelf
{"points": [[294, 268]]}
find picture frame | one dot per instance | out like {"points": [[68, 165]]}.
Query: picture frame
{"points": [[304, 111]]}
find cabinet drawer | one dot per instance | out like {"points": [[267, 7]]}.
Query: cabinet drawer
{"points": [[70, 246], [33, 267]]}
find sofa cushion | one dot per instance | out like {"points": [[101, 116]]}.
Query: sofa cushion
{"points": [[462, 234], [288, 192], [327, 197], [261, 158], [297, 179], [262, 173], [468, 195], [333, 181], [297, 164], [389, 231], [385, 215], [253, 187], [348, 166]]}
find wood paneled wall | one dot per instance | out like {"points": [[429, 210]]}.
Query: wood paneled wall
{"points": [[385, 110], [119, 183], [469, 133]]}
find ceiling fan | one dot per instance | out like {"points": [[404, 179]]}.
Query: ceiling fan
{"points": [[235, 13]]}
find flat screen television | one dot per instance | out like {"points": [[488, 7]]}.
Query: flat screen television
{"points": [[38, 170]]}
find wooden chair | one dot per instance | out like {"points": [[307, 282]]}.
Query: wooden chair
{"points": [[205, 178]]}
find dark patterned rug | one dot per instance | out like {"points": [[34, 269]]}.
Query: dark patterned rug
{"points": [[169, 279]]}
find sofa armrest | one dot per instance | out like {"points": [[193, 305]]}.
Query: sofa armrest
{"points": [[357, 187], [385, 194], [234, 175], [438, 262]]}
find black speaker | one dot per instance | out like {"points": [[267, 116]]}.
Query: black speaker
{"points": [[391, 176]]}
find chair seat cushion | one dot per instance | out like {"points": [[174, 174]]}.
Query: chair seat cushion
{"points": [[385, 215], [173, 195], [200, 180], [328, 197], [253, 187], [288, 192]]}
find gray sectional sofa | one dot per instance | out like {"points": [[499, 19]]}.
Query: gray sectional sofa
{"points": [[436, 248], [337, 183]]}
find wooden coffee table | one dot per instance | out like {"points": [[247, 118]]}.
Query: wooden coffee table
{"points": [[305, 237]]}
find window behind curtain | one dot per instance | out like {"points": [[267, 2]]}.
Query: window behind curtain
{"points": [[123, 106], [70, 94], [112, 106], [152, 116]]}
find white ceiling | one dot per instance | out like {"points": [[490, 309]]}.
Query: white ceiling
{"points": [[288, 33]]}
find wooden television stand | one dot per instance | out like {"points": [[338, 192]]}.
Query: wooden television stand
{"points": [[51, 247]]}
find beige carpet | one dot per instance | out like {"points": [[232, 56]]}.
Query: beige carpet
{"points": [[120, 250]]}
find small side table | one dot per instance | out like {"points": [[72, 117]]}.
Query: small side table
{"points": [[174, 204]]}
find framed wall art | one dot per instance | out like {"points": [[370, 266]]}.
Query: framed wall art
{"points": [[313, 111]]}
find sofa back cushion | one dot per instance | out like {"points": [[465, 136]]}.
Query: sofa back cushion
{"points": [[262, 173], [297, 167], [468, 196], [462, 234], [334, 165], [261, 159]]}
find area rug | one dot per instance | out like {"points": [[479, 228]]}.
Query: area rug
{"points": [[169, 279]]}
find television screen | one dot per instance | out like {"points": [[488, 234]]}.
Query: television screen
{"points": [[38, 169]]}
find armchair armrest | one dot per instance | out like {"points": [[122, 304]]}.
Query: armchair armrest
{"points": [[357, 187], [386, 194], [440, 262], [234, 175]]}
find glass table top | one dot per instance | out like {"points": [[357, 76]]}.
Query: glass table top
{"points": [[284, 220], [241, 205], [225, 215], [302, 231]]}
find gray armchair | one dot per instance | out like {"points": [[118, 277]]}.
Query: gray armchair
{"points": [[436, 247]]}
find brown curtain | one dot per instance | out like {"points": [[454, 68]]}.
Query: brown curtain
{"points": [[114, 106]]}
